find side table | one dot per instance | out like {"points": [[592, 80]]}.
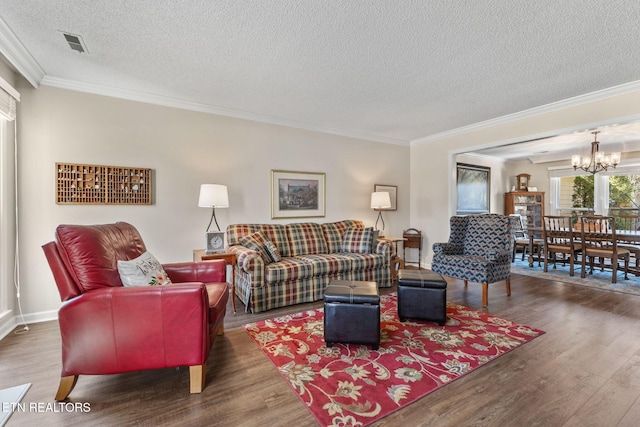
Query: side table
{"points": [[397, 263], [230, 257]]}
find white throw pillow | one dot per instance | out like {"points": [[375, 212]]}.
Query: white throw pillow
{"points": [[142, 271]]}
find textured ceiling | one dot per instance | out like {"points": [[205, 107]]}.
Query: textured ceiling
{"points": [[391, 70]]}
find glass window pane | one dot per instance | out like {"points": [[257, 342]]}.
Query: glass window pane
{"points": [[576, 196]]}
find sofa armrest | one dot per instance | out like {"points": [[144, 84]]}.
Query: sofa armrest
{"points": [[123, 329], [447, 248], [384, 248], [250, 262], [213, 271]]}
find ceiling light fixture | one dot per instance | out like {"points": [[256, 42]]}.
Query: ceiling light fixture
{"points": [[598, 162]]}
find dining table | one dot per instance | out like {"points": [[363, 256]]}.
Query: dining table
{"points": [[622, 236]]}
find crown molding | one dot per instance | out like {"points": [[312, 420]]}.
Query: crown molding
{"points": [[548, 108], [209, 109], [18, 56]]}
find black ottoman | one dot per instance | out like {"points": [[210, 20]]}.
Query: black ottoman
{"points": [[422, 294], [352, 313]]}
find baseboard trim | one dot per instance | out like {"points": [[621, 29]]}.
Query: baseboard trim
{"points": [[9, 323]]}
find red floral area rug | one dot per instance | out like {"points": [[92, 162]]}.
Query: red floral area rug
{"points": [[351, 384]]}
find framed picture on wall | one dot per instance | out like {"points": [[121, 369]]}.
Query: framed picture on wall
{"points": [[297, 194], [393, 195], [473, 188]]}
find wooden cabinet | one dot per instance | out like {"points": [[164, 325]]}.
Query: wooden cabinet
{"points": [[529, 204], [98, 184]]}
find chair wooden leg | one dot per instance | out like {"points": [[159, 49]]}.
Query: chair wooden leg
{"points": [[626, 267], [197, 375], [485, 294], [221, 329], [571, 270], [508, 283], [66, 386], [466, 282]]}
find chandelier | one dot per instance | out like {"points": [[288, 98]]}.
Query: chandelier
{"points": [[598, 162]]}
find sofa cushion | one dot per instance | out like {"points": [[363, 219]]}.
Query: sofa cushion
{"points": [[334, 233], [144, 270], [256, 242], [288, 269], [306, 238], [328, 264], [357, 240], [91, 252], [365, 261]]}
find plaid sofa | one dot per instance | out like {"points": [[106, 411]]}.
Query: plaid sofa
{"points": [[284, 264]]}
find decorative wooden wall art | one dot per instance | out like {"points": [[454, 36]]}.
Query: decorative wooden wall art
{"points": [[102, 185]]}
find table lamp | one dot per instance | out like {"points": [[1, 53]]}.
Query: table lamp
{"points": [[380, 200], [214, 196]]}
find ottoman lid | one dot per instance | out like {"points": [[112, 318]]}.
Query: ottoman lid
{"points": [[352, 292], [421, 279]]}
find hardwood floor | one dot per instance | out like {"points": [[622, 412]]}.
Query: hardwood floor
{"points": [[585, 371]]}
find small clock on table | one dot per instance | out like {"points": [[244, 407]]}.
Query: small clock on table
{"points": [[215, 242]]}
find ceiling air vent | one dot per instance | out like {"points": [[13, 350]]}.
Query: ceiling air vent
{"points": [[75, 42]]}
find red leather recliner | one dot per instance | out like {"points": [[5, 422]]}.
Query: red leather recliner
{"points": [[107, 328]]}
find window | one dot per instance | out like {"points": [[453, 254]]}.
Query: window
{"points": [[612, 193], [624, 194], [472, 187]]}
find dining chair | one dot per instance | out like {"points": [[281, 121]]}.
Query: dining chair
{"points": [[559, 239], [521, 239], [599, 240], [630, 223]]}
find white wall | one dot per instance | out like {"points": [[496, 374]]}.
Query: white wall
{"points": [[184, 149], [433, 162]]}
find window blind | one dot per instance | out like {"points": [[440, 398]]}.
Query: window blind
{"points": [[8, 98], [7, 106]]}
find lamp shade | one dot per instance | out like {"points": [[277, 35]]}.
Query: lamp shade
{"points": [[380, 200], [213, 196]]}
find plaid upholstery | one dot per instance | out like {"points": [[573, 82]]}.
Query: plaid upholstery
{"points": [[365, 261], [329, 264], [382, 276], [287, 293], [274, 232], [236, 232], [256, 241], [306, 238], [262, 285], [273, 251], [479, 249], [334, 233], [249, 263], [287, 270], [357, 240]]}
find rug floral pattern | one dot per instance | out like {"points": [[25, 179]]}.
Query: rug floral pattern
{"points": [[352, 385]]}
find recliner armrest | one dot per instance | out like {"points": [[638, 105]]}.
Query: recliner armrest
{"points": [[213, 271]]}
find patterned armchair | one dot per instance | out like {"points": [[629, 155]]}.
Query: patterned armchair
{"points": [[479, 250]]}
